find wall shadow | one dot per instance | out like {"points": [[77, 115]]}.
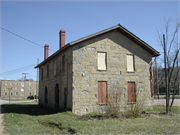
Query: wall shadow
{"points": [[34, 110]]}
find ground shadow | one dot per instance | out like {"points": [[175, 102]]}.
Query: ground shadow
{"points": [[27, 109]]}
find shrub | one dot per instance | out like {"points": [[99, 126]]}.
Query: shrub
{"points": [[116, 105]]}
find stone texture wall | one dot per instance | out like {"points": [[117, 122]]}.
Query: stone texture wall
{"points": [[86, 76], [81, 74], [62, 79]]}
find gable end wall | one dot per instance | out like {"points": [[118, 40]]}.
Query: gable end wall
{"points": [[86, 76]]}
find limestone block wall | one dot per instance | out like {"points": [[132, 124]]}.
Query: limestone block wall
{"points": [[86, 76], [57, 78]]}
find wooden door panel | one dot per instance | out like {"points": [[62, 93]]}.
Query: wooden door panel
{"points": [[102, 92], [131, 92]]}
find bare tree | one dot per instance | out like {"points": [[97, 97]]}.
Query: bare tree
{"points": [[171, 41]]}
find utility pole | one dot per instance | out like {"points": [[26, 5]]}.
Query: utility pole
{"points": [[37, 81], [9, 93], [25, 75], [166, 78], [24, 82]]}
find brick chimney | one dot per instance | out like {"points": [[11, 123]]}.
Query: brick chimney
{"points": [[46, 51], [62, 38]]}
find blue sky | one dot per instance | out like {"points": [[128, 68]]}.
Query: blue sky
{"points": [[41, 21]]}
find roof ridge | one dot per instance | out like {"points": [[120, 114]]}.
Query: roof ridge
{"points": [[120, 28]]}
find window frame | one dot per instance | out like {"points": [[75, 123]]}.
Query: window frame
{"points": [[55, 68], [129, 100], [22, 84], [133, 64], [106, 95], [47, 70], [63, 62], [22, 88], [42, 73], [105, 61]]}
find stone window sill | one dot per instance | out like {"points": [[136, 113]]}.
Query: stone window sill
{"points": [[101, 70], [131, 102], [102, 103], [130, 71]]}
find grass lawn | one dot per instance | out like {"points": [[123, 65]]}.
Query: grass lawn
{"points": [[29, 118]]}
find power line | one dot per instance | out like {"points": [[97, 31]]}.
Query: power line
{"points": [[24, 38], [17, 70]]}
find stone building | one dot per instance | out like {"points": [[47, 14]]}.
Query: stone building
{"points": [[19, 89], [81, 75]]}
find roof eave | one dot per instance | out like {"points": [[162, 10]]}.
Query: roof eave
{"points": [[120, 28], [124, 31], [93, 35], [134, 37]]}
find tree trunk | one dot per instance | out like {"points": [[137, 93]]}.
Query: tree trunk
{"points": [[173, 97]]}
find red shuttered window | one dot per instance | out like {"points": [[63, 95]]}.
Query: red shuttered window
{"points": [[42, 74], [131, 92], [102, 92], [63, 63], [48, 71]]}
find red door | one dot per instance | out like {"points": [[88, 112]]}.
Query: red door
{"points": [[131, 92], [102, 92]]}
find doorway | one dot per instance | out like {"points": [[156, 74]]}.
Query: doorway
{"points": [[57, 97], [65, 98], [45, 97], [131, 92]]}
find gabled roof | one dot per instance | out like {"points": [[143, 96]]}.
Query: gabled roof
{"points": [[118, 27]]}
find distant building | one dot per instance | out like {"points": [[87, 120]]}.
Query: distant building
{"points": [[20, 89]]}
